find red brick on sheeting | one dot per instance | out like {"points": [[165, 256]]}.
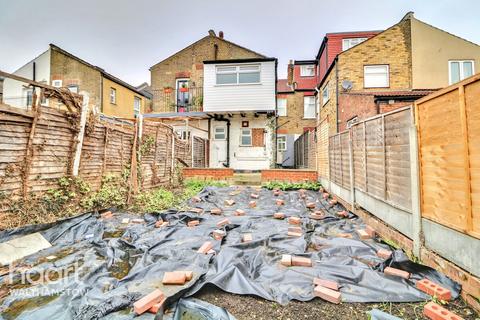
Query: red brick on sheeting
{"points": [[330, 284], [396, 272], [327, 294], [433, 289], [148, 301]]}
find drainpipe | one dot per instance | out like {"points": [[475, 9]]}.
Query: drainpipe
{"points": [[336, 90]]}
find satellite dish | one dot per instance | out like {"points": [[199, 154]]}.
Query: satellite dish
{"points": [[347, 85]]}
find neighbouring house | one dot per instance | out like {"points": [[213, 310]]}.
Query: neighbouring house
{"points": [[146, 89], [392, 69], [59, 68], [220, 91], [296, 108], [1, 89]]}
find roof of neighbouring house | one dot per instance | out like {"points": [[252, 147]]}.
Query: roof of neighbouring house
{"points": [[146, 89], [283, 87], [395, 93], [247, 60], [101, 70], [352, 33]]}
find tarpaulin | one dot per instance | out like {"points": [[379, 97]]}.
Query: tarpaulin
{"points": [[103, 265]]}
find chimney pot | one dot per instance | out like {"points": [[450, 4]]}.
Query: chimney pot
{"points": [[211, 32], [220, 34]]}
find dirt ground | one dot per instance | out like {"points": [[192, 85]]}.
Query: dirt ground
{"points": [[251, 307]]}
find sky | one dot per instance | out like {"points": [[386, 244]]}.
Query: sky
{"points": [[127, 37]]}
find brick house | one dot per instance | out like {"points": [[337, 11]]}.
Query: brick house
{"points": [[296, 111], [59, 68], [392, 69], [223, 92]]}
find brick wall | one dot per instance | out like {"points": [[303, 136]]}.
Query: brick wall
{"points": [[329, 109], [351, 105], [73, 72], [294, 123], [288, 175], [210, 173], [188, 63]]}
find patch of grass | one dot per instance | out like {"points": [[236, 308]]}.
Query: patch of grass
{"points": [[193, 186], [292, 186], [154, 200]]}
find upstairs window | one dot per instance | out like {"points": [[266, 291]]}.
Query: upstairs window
{"points": [[73, 88], [245, 137], [351, 42], [282, 107], [113, 96], [307, 70], [57, 83], [137, 104], [325, 94], [309, 107], [376, 76], [244, 74], [459, 70]]}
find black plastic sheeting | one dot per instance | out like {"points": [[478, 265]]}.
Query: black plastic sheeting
{"points": [[116, 263]]}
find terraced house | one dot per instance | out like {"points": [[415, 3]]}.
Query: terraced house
{"points": [[59, 68], [223, 92], [392, 69]]}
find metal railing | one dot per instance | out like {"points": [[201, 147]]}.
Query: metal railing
{"points": [[178, 100]]}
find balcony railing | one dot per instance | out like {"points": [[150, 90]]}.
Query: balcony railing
{"points": [[178, 100]]}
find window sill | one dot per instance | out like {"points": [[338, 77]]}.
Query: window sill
{"points": [[237, 84]]}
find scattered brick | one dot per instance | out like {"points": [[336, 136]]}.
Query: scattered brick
{"points": [[279, 215], [294, 234], [254, 196], [436, 312], [216, 211], [107, 215], [154, 309], [247, 237], [345, 235], [294, 220], [175, 278], [325, 195], [311, 205], [252, 204], [303, 196], [205, 247], [188, 275], [433, 289], [363, 234], [219, 234], [158, 223], [196, 199], [125, 220], [302, 191], [286, 260], [229, 202], [342, 213], [193, 223], [321, 189], [223, 222], [327, 294], [384, 253], [280, 202], [370, 231], [295, 229], [301, 261], [333, 202], [330, 284], [196, 210], [138, 221], [146, 302], [276, 193], [317, 215], [239, 212], [396, 272]]}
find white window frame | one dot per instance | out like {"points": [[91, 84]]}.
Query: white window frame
{"points": [[327, 93], [183, 134], [242, 130], [73, 88], [113, 96], [307, 70], [238, 70], [224, 133], [281, 140], [347, 42], [312, 105], [282, 112], [365, 72], [57, 83], [462, 75], [137, 107]]}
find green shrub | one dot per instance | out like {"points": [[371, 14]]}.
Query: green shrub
{"points": [[155, 200], [292, 186], [194, 186], [113, 193]]}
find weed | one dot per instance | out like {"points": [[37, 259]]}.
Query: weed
{"points": [[292, 186]]}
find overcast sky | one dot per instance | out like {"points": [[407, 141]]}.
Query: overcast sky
{"points": [[127, 37]]}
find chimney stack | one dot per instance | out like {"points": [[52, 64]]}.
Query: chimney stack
{"points": [[290, 73], [212, 33], [220, 34]]}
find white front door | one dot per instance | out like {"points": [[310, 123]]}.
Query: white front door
{"points": [[218, 155]]}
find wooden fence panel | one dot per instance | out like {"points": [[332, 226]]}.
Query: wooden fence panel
{"points": [[199, 151], [448, 124], [375, 157], [345, 159], [359, 157], [322, 150]]}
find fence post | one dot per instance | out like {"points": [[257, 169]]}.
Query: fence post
{"points": [[352, 172], [81, 133], [384, 159], [415, 191]]}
